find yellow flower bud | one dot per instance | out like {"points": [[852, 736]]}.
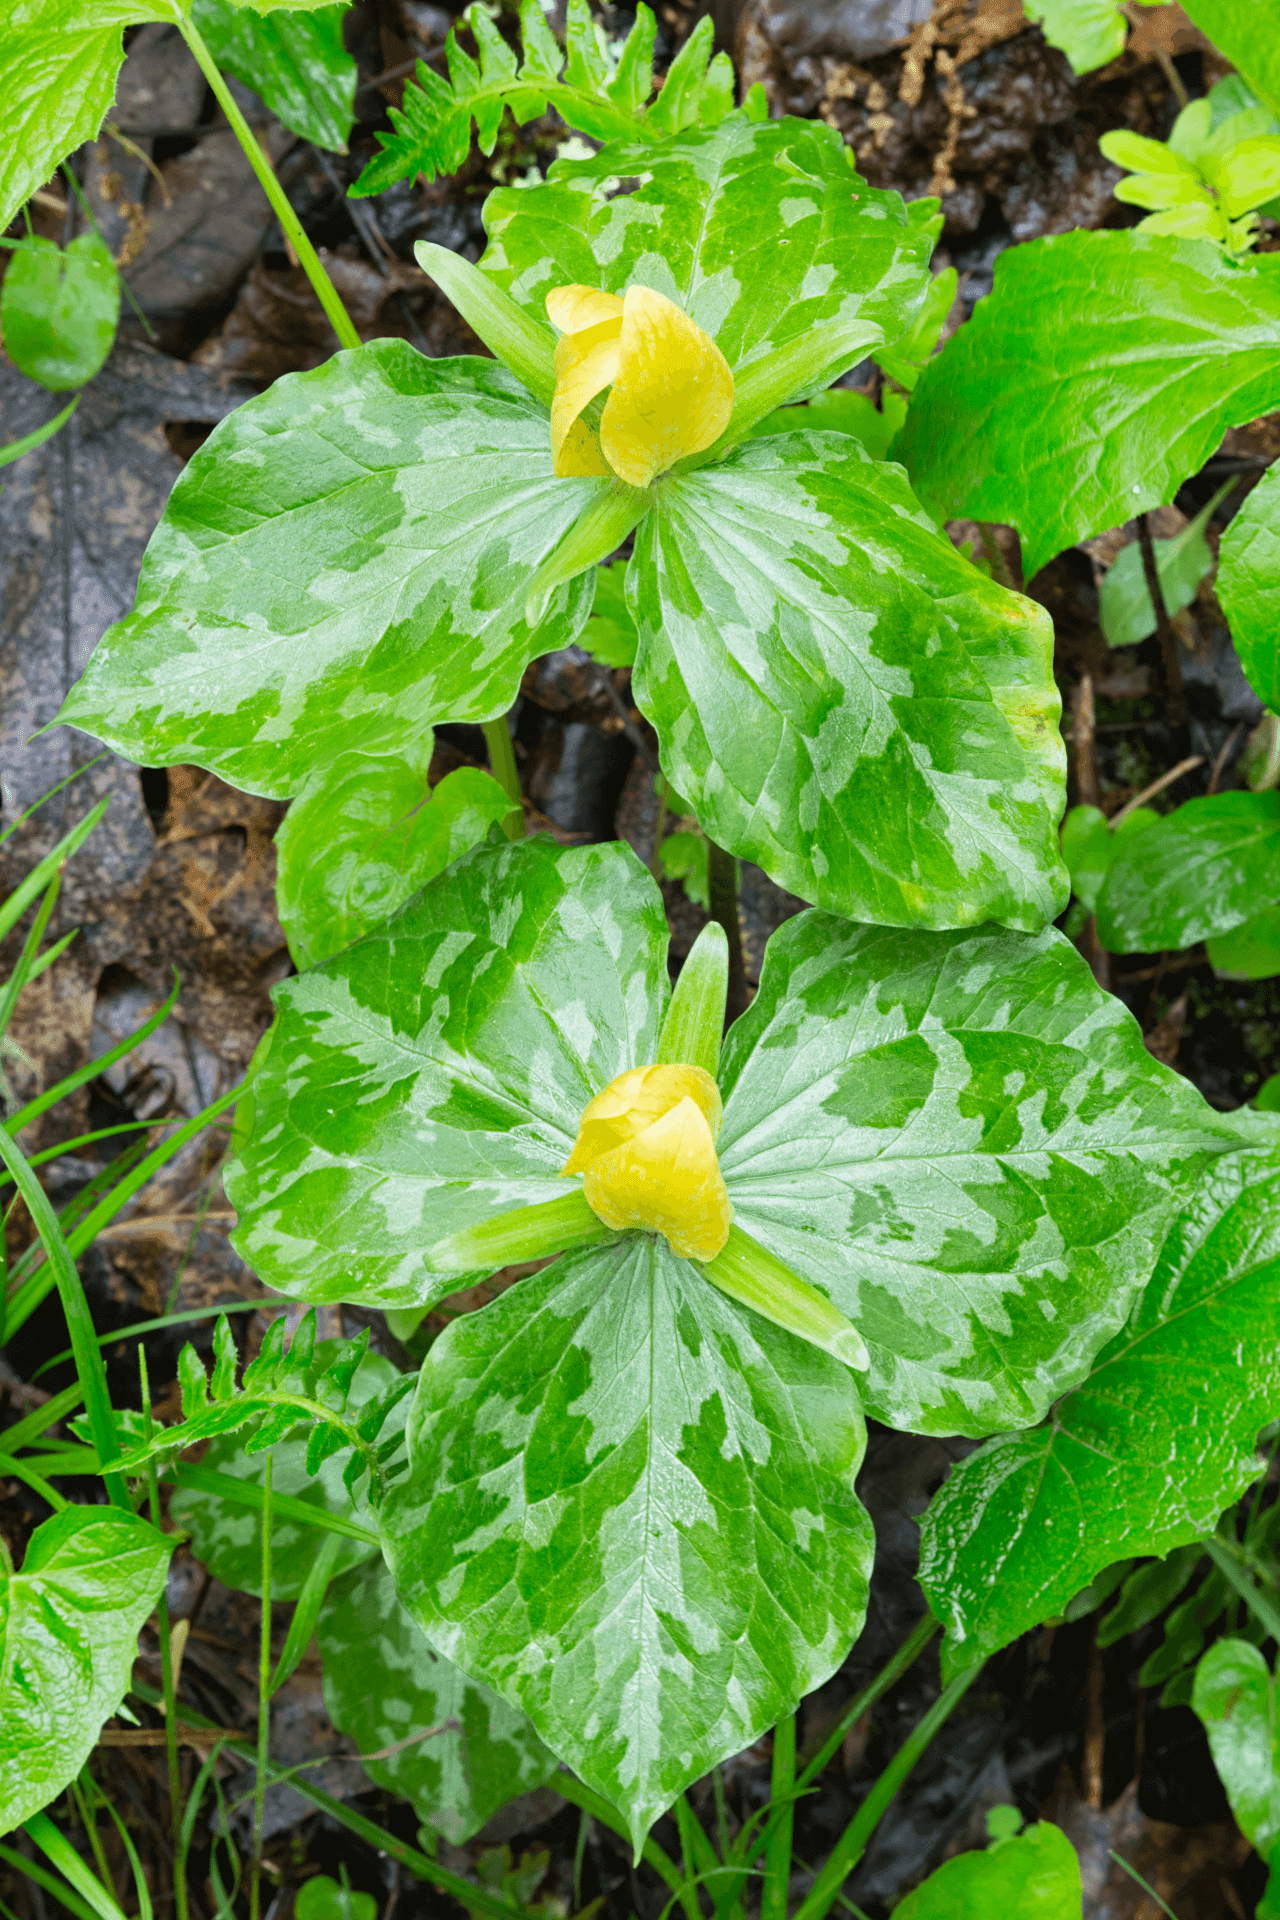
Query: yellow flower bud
{"points": [[671, 388], [647, 1148]]}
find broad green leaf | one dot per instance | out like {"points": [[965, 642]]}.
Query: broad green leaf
{"points": [[1248, 33], [1250, 951], [844, 698], [1203, 870], [229, 1538], [762, 233], [1124, 602], [295, 62], [963, 1142], [631, 1511], [58, 311], [1090, 844], [69, 1623], [610, 634], [1033, 1876], [366, 833], [343, 562], [1248, 585], [1157, 346], [1145, 1454], [434, 1075], [383, 1684], [1235, 1698]]}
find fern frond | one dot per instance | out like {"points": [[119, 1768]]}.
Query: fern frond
{"points": [[433, 126]]}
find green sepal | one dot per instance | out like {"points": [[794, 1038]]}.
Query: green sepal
{"points": [[694, 1026], [525, 348], [759, 1280], [527, 1233]]}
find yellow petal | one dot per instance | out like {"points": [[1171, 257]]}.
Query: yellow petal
{"points": [[574, 308], [633, 1102], [672, 392], [580, 455], [586, 362], [666, 1180]]}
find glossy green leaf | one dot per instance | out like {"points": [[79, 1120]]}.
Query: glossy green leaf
{"points": [[58, 311], [1248, 585], [842, 697], [1124, 603], [1145, 1454], [295, 62], [384, 1684], [1248, 33], [228, 1539], [1157, 346], [631, 1511], [434, 1075], [1250, 951], [761, 232], [1033, 1876], [366, 833], [69, 1623], [1235, 1698], [1090, 844], [324, 1898], [610, 634], [963, 1142], [1203, 870], [344, 561]]}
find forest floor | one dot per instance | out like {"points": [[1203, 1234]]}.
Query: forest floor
{"points": [[181, 875]]}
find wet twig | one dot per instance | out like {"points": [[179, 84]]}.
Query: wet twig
{"points": [[1171, 667]]}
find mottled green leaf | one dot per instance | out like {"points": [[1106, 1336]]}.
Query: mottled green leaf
{"points": [[963, 1142], [1248, 585], [1156, 347], [69, 1623], [295, 62], [1203, 870], [1250, 951], [434, 1075], [761, 232], [58, 310], [229, 1538], [366, 833], [1235, 1698], [1143, 1456], [344, 561], [631, 1511], [842, 697], [1033, 1876], [384, 1684]]}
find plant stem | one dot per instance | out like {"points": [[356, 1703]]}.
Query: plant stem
{"points": [[1230, 1566], [502, 762], [166, 1665], [777, 1859], [852, 1843], [906, 1656], [264, 1694], [600, 1809], [1174, 692], [722, 893], [325, 291]]}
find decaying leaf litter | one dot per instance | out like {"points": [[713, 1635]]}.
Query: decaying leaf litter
{"points": [[181, 873]]}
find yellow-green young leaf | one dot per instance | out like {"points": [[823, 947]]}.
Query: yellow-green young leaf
{"points": [[69, 1621], [365, 834], [343, 562], [631, 1512], [1157, 346], [1033, 1876], [1248, 585], [1235, 1699], [384, 1684], [1149, 1450], [1202, 870]]}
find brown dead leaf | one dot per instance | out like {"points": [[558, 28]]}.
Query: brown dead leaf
{"points": [[1187, 1866]]}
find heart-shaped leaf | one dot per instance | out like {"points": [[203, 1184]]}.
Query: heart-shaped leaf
{"points": [[385, 1686], [1147, 1452], [69, 1623], [631, 1511]]}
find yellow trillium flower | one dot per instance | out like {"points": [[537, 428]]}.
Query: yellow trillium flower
{"points": [[671, 388], [647, 1148]]}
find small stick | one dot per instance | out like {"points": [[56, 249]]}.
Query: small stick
{"points": [[1174, 692], [1158, 786], [1083, 730], [1223, 757]]}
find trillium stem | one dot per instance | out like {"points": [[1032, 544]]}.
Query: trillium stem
{"points": [[722, 893], [502, 762], [325, 291]]}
